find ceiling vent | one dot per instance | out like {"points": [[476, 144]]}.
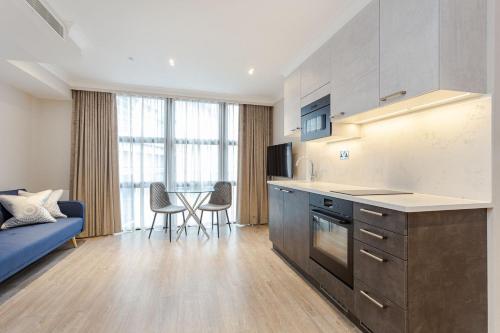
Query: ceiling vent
{"points": [[47, 16]]}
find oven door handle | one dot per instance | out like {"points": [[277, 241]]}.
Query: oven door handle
{"points": [[329, 218]]}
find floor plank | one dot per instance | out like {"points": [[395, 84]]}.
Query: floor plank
{"points": [[127, 283]]}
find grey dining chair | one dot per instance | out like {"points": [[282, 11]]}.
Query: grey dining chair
{"points": [[220, 200], [160, 204]]}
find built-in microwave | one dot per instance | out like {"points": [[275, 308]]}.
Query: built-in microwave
{"points": [[315, 120]]}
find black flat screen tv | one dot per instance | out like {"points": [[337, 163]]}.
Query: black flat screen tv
{"points": [[279, 160]]}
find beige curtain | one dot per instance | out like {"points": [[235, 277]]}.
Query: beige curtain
{"points": [[255, 123], [94, 161]]}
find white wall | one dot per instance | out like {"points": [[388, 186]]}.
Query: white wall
{"points": [[443, 151], [51, 145], [36, 140], [16, 112]]}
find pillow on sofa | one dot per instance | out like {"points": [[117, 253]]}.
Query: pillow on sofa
{"points": [[26, 210], [51, 203]]}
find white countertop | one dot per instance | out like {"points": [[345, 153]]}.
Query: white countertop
{"points": [[408, 203]]}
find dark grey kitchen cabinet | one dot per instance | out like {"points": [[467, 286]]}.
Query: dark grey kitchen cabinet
{"points": [[420, 272], [276, 235], [296, 227], [289, 224]]}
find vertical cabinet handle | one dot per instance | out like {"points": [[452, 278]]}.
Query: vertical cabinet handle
{"points": [[369, 233], [371, 212], [397, 93], [371, 299]]}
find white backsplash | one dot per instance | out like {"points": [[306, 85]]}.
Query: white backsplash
{"points": [[443, 151]]}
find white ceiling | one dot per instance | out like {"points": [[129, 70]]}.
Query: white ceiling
{"points": [[213, 42]]}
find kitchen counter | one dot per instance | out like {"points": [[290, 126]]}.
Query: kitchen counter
{"points": [[409, 203]]}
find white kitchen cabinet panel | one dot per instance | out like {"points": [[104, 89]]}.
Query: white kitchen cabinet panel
{"points": [[315, 71], [355, 64], [291, 96], [409, 48], [430, 45]]}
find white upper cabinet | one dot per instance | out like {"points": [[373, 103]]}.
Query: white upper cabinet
{"points": [[291, 96], [355, 64], [429, 45], [315, 71], [395, 55], [409, 48]]}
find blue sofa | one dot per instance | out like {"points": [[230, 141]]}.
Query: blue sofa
{"points": [[21, 246]]}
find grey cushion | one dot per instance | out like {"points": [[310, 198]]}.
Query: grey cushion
{"points": [[172, 209], [213, 207]]}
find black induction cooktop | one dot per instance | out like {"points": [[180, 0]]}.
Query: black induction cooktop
{"points": [[370, 192]]}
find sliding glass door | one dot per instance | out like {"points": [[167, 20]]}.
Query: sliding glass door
{"points": [[179, 142]]}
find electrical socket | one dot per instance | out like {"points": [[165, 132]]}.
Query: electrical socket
{"points": [[344, 154]]}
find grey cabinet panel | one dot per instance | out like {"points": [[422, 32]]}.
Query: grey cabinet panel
{"points": [[296, 227], [447, 268], [291, 102], [387, 277], [355, 64], [381, 217], [409, 48], [337, 290], [377, 313], [382, 239], [276, 216]]}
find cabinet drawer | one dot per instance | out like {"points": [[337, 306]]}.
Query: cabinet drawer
{"points": [[381, 217], [339, 293], [377, 313], [382, 239], [381, 271]]}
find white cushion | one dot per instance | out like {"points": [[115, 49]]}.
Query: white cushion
{"points": [[26, 210], [51, 203]]}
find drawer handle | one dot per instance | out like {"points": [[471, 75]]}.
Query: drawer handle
{"points": [[371, 299], [371, 212], [397, 93], [276, 188], [368, 254], [286, 191], [369, 233]]}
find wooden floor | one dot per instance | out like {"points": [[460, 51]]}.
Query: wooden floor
{"points": [[127, 283]]}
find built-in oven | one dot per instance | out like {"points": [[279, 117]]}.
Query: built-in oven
{"points": [[331, 236], [315, 120]]}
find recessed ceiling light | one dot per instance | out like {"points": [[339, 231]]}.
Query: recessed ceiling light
{"points": [[171, 62], [251, 71]]}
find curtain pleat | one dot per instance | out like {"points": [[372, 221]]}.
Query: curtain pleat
{"points": [[254, 137], [94, 161]]}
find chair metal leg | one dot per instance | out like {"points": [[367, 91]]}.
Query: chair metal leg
{"points": [[201, 221], [170, 227], [152, 226], [217, 213], [184, 220], [212, 220], [228, 222]]}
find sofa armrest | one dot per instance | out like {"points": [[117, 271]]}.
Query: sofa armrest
{"points": [[72, 208]]}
